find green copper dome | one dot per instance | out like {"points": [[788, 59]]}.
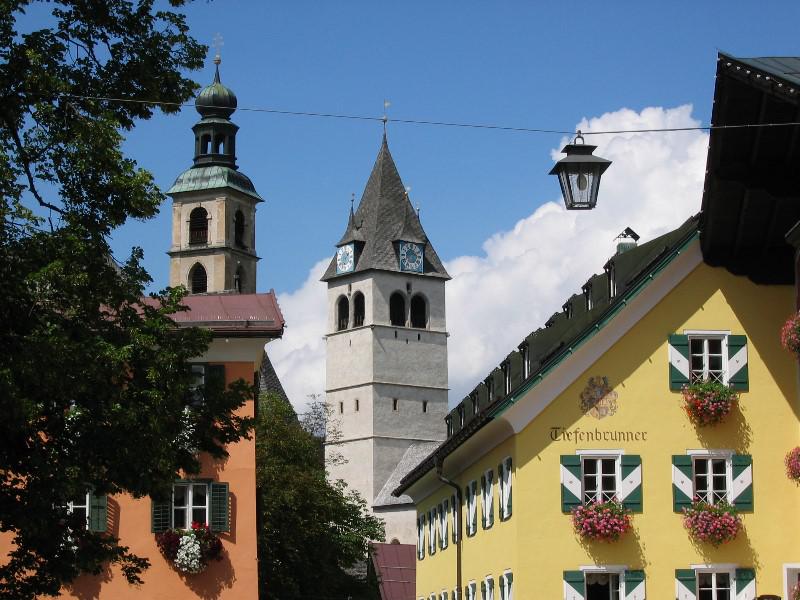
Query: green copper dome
{"points": [[216, 100]]}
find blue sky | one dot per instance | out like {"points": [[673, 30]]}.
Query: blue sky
{"points": [[532, 64], [488, 205]]}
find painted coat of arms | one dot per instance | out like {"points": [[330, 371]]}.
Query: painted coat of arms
{"points": [[598, 399]]}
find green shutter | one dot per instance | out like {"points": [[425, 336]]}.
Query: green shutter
{"points": [[508, 473], [634, 585], [685, 584], [160, 515], [737, 362], [745, 584], [484, 508], [682, 484], [630, 492], [483, 590], [219, 520], [678, 361], [98, 513], [574, 587], [570, 482], [741, 493]]}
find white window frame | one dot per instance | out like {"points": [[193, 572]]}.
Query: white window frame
{"points": [[726, 455], [618, 570], [506, 586], [443, 595], [506, 368], [707, 334], [598, 455], [472, 507], [471, 590], [421, 536], [189, 506], [432, 518], [505, 484], [489, 583], [729, 570], [454, 510], [791, 577], [487, 499], [87, 505], [444, 530]]}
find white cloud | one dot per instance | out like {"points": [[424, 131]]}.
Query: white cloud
{"points": [[525, 274], [299, 358]]}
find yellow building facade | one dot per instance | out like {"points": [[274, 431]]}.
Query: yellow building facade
{"points": [[537, 544]]}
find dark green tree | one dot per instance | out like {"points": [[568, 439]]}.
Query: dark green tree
{"points": [[93, 382], [313, 535]]}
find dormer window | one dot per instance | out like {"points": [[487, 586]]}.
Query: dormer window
{"points": [[506, 369], [525, 353], [611, 280], [461, 416], [474, 398], [568, 309], [587, 296], [490, 388]]}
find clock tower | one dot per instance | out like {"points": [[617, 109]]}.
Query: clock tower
{"points": [[386, 368], [214, 205]]}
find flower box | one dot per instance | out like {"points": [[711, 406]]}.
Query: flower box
{"points": [[714, 524], [790, 334], [792, 462], [601, 521], [190, 550], [708, 402]]}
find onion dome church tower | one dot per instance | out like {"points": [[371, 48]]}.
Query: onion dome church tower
{"points": [[386, 367], [214, 205]]}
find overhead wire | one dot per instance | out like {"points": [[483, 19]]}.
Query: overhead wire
{"points": [[489, 126]]}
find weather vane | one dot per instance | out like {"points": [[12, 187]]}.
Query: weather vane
{"points": [[352, 200], [217, 43], [386, 105]]}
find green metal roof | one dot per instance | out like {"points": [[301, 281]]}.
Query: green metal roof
{"points": [[564, 332], [213, 177]]}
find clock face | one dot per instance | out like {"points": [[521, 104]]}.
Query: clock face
{"points": [[345, 259], [411, 257]]}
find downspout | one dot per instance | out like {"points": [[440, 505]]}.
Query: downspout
{"points": [[457, 524]]}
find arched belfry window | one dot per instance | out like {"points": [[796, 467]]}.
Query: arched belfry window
{"points": [[205, 144], [198, 226], [238, 229], [358, 309], [219, 144], [342, 313], [397, 309], [238, 280], [419, 312], [198, 280]]}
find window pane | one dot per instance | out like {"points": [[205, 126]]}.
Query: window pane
{"points": [[199, 516], [701, 483], [609, 483], [697, 363], [723, 595], [199, 495], [718, 466], [704, 580], [179, 518], [701, 466], [696, 345], [715, 363], [609, 466], [590, 466], [723, 580], [715, 346], [706, 594], [179, 495]]}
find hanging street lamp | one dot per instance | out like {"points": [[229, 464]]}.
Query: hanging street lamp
{"points": [[579, 174]]}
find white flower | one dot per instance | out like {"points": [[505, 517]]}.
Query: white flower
{"points": [[188, 559]]}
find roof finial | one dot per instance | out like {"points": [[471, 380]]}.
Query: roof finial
{"points": [[217, 43], [352, 200], [386, 105]]}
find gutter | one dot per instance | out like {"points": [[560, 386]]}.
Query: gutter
{"points": [[457, 520]]}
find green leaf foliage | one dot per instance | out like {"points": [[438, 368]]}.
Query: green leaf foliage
{"points": [[313, 535], [94, 388]]}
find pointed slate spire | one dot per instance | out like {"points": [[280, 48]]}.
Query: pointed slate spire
{"points": [[384, 217]]}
